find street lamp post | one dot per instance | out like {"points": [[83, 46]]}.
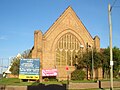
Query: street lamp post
{"points": [[111, 54], [92, 75], [92, 64]]}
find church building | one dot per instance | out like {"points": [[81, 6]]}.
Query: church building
{"points": [[57, 47]]}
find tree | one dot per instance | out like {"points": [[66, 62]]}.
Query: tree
{"points": [[26, 54], [86, 61], [116, 59], [15, 66], [78, 75], [16, 62], [106, 62]]}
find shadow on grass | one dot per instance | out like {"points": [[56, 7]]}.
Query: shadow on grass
{"points": [[36, 86]]}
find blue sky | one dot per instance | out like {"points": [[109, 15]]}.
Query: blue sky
{"points": [[20, 18]]}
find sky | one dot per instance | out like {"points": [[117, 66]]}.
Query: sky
{"points": [[20, 18]]}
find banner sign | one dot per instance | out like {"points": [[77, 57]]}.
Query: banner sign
{"points": [[29, 69], [49, 72]]}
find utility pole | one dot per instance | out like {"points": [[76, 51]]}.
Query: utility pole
{"points": [[111, 54]]}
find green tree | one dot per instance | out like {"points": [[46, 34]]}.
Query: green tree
{"points": [[16, 62], [15, 66], [116, 59], [86, 61], [106, 62], [78, 75]]}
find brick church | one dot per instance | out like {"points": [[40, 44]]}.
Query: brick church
{"points": [[65, 38]]}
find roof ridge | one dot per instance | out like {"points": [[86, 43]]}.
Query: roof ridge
{"points": [[69, 7]]}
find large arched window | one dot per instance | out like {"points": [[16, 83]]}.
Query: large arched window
{"points": [[67, 48]]}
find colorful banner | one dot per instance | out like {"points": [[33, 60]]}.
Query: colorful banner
{"points": [[49, 72]]}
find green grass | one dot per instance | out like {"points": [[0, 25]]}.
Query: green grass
{"points": [[83, 81], [13, 81], [16, 82], [114, 79]]}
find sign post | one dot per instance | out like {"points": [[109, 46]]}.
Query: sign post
{"points": [[67, 68], [29, 69]]}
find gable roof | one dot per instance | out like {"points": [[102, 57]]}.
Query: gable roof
{"points": [[69, 9]]}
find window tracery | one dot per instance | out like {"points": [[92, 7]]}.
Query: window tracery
{"points": [[67, 48]]}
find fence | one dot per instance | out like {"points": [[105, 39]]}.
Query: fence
{"points": [[4, 64]]}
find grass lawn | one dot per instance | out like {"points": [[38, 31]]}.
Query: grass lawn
{"points": [[83, 81], [114, 79], [13, 81], [16, 82]]}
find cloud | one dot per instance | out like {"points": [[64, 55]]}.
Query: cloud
{"points": [[3, 38]]}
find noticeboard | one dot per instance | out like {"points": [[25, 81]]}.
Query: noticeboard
{"points": [[29, 69]]}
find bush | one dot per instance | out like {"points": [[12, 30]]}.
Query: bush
{"points": [[46, 79], [78, 75], [53, 79]]}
